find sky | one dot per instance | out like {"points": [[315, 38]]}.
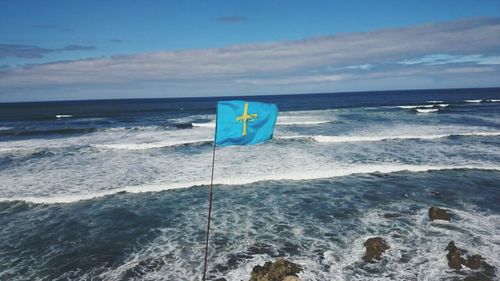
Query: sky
{"points": [[67, 50]]}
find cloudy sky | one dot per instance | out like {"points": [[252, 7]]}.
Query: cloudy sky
{"points": [[61, 50]]}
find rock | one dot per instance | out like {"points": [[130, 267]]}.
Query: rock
{"points": [[375, 247], [453, 256], [277, 271], [291, 278], [472, 262], [439, 214], [456, 262], [392, 215]]}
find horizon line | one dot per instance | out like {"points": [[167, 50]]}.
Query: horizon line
{"points": [[254, 95]]}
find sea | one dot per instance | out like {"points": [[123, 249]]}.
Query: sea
{"points": [[118, 189]]}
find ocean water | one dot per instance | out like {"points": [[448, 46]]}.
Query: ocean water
{"points": [[117, 190]]}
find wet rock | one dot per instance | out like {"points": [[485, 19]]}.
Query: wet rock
{"points": [[439, 214], [456, 262], [472, 262], [392, 215], [275, 271], [375, 247], [453, 256], [291, 278], [221, 279]]}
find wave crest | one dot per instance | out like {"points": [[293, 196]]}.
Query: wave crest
{"points": [[307, 175], [427, 110], [340, 139]]}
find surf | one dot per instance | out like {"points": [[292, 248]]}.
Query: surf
{"points": [[342, 139], [341, 171]]}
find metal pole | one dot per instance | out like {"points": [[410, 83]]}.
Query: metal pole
{"points": [[209, 214]]}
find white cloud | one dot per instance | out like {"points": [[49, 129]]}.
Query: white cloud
{"points": [[332, 59], [436, 59], [470, 69], [295, 80]]}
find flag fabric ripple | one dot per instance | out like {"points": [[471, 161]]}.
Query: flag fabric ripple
{"points": [[244, 123]]}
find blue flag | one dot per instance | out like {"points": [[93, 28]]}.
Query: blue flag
{"points": [[244, 123]]}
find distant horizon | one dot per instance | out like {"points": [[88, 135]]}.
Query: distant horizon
{"points": [[243, 96]]}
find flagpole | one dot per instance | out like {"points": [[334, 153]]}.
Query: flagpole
{"points": [[209, 214]]}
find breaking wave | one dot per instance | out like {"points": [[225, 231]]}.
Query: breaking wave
{"points": [[303, 122], [204, 125], [311, 175], [133, 129], [278, 123], [416, 106], [427, 110], [141, 146], [317, 138], [340, 139]]}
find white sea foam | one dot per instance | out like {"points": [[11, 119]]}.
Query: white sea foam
{"points": [[422, 242], [5, 128], [435, 101], [278, 123], [427, 110], [133, 128], [443, 105], [416, 106], [310, 175], [302, 122], [31, 145], [473, 101], [494, 100], [416, 244], [340, 139], [64, 116], [150, 145], [204, 125], [479, 134]]}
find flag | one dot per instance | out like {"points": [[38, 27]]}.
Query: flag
{"points": [[244, 123]]}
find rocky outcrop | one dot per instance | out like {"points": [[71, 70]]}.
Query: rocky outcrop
{"points": [[455, 261], [280, 270], [439, 214], [472, 262], [375, 247], [291, 278], [453, 256]]}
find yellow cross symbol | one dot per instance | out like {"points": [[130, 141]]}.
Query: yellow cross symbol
{"points": [[245, 117]]}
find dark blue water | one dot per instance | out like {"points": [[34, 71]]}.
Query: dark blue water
{"points": [[116, 190]]}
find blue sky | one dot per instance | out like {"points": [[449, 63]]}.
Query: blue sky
{"points": [[59, 50]]}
